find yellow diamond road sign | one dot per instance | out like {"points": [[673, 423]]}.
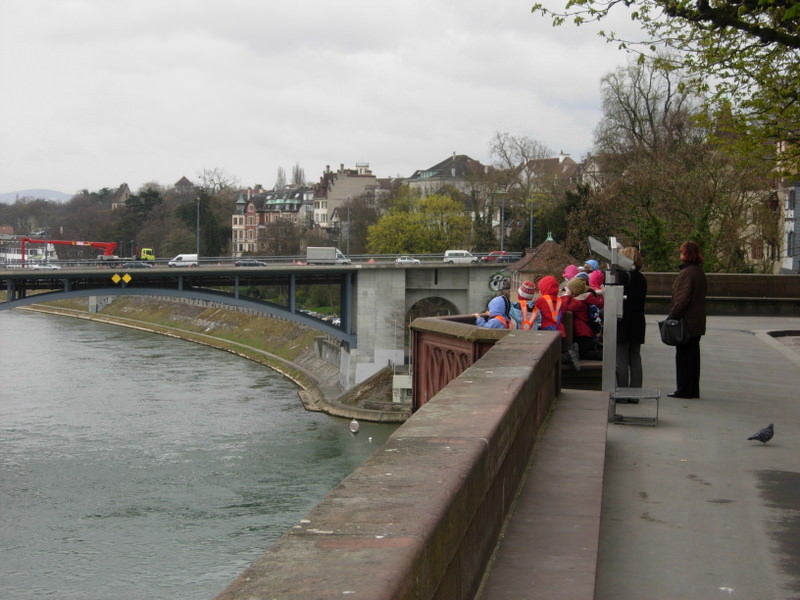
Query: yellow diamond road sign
{"points": [[126, 278], [116, 278]]}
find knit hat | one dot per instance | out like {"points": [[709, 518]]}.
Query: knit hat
{"points": [[570, 271], [548, 285], [596, 279], [498, 306], [577, 286], [593, 263], [526, 290]]}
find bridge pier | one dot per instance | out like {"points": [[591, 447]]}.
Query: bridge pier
{"points": [[379, 312], [381, 303]]}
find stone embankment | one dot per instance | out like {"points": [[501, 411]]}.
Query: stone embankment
{"points": [[282, 345]]}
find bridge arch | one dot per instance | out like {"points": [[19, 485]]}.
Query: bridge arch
{"points": [[432, 306], [268, 308]]}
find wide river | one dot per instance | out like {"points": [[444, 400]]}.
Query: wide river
{"points": [[136, 466]]}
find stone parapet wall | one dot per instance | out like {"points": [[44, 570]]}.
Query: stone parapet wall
{"points": [[421, 517], [744, 285], [733, 294]]}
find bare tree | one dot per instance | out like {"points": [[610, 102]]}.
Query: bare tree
{"points": [[216, 180], [282, 238], [522, 189], [645, 110], [298, 175], [280, 179], [669, 177]]}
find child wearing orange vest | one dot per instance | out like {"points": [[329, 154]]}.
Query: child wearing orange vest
{"points": [[497, 315], [549, 305], [524, 311]]}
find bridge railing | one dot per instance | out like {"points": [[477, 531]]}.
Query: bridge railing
{"points": [[421, 517]]}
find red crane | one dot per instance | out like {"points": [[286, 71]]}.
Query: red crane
{"points": [[107, 247]]}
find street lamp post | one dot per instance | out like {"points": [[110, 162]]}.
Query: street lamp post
{"points": [[46, 257], [530, 225], [502, 194], [502, 221], [197, 233]]}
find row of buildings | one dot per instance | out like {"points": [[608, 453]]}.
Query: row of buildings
{"points": [[313, 205], [324, 204]]}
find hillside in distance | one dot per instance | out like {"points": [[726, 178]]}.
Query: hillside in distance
{"points": [[34, 194]]}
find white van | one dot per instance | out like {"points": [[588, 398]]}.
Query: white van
{"points": [[459, 256], [184, 260]]}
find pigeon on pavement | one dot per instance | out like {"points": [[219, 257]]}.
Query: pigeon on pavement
{"points": [[763, 435]]}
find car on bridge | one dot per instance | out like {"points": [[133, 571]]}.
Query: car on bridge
{"points": [[500, 256], [459, 256], [38, 266], [406, 260], [136, 264], [249, 262]]}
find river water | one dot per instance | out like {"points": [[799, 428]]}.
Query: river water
{"points": [[136, 466]]}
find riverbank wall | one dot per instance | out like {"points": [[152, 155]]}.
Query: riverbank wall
{"points": [[299, 353]]}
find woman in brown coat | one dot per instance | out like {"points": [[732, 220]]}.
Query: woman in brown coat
{"points": [[689, 303]]}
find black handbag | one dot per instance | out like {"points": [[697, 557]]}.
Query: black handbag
{"points": [[674, 332]]}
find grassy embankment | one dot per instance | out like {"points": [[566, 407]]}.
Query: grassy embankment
{"points": [[268, 341]]}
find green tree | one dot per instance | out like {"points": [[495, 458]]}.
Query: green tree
{"points": [[436, 223], [746, 53], [403, 199], [190, 214], [159, 227], [360, 213], [399, 233], [214, 222], [129, 220], [484, 238]]}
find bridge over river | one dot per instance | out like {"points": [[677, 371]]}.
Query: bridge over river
{"points": [[374, 298]]}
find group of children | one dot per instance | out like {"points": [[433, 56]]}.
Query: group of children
{"points": [[542, 306]]}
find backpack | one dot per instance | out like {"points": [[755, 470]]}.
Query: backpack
{"points": [[595, 319], [505, 319]]}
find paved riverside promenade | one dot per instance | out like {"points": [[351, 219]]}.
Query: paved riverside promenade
{"points": [[691, 509]]}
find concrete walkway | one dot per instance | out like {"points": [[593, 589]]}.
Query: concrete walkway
{"points": [[691, 509]]}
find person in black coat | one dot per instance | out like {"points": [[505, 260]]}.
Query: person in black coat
{"points": [[631, 325], [689, 303]]}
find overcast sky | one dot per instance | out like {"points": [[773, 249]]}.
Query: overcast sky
{"points": [[100, 92]]}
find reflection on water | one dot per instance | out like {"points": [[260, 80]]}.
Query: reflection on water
{"points": [[138, 466]]}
